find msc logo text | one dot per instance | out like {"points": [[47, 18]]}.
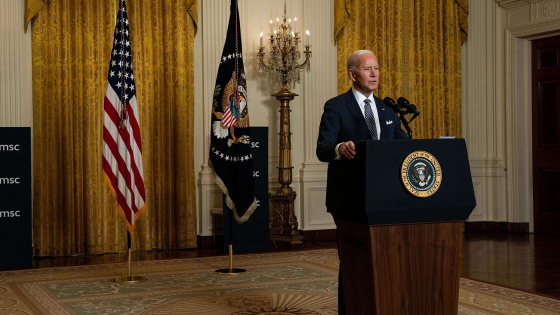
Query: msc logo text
{"points": [[9, 181], [9, 147], [10, 214]]}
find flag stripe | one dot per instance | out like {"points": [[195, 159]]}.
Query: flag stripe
{"points": [[111, 101], [133, 114], [110, 150], [137, 165], [114, 179], [129, 176], [115, 183], [110, 124], [124, 169], [137, 147], [123, 187], [113, 148], [110, 175], [228, 119]]}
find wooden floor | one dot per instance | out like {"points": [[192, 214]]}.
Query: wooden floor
{"points": [[522, 261], [529, 262]]}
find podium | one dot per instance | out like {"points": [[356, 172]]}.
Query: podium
{"points": [[400, 208]]}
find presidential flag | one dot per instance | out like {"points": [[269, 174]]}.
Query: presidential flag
{"points": [[122, 148], [230, 147]]}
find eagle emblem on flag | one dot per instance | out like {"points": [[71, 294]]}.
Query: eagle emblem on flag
{"points": [[234, 112]]}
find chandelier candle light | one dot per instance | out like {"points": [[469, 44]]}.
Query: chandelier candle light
{"points": [[283, 72], [283, 69]]}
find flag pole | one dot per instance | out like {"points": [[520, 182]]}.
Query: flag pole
{"points": [[230, 270], [129, 277]]}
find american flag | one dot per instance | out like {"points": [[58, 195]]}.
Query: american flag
{"points": [[122, 148]]}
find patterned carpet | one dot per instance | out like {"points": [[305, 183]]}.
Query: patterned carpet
{"points": [[301, 283]]}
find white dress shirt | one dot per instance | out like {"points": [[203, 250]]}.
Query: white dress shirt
{"points": [[360, 98]]}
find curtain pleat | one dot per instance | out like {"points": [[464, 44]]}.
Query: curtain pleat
{"points": [[74, 210], [418, 45]]}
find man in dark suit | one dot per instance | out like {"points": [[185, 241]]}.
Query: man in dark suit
{"points": [[352, 117]]}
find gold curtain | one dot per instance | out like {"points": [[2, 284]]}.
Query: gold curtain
{"points": [[418, 45], [74, 210]]}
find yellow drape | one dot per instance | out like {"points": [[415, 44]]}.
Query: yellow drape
{"points": [[32, 7], [74, 211], [418, 45]]}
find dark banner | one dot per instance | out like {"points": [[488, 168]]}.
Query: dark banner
{"points": [[230, 141], [253, 235], [15, 196]]}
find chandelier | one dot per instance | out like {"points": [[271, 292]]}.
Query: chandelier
{"points": [[283, 69]]}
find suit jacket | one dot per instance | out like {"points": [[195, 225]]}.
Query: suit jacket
{"points": [[343, 121]]}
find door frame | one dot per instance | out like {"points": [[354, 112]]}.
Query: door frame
{"points": [[518, 120]]}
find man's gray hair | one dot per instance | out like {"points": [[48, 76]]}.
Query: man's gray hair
{"points": [[353, 59]]}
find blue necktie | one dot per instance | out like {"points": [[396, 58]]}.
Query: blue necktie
{"points": [[370, 119]]}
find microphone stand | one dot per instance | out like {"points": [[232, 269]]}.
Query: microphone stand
{"points": [[405, 123], [403, 107]]}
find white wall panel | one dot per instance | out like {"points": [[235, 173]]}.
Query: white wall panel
{"points": [[480, 211], [319, 85], [483, 108], [16, 107]]}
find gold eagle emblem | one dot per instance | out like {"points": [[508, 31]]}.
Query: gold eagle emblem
{"points": [[234, 113]]}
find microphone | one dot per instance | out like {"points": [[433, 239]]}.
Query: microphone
{"points": [[412, 109], [391, 103], [403, 102]]}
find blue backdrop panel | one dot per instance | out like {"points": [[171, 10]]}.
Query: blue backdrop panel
{"points": [[253, 235], [15, 198]]}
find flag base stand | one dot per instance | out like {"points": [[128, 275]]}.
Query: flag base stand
{"points": [[233, 271], [130, 278], [230, 270]]}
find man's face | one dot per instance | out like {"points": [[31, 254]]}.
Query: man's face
{"points": [[365, 77]]}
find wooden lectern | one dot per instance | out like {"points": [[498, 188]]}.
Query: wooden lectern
{"points": [[400, 253]]}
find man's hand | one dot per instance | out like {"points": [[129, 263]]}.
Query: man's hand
{"points": [[347, 149]]}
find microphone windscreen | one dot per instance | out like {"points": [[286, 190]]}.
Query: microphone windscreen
{"points": [[412, 109], [403, 101], [389, 102]]}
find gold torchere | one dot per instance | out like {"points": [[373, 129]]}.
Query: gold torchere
{"points": [[284, 71]]}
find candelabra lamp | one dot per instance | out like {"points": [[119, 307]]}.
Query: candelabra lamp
{"points": [[283, 72]]}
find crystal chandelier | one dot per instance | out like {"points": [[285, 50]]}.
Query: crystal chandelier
{"points": [[283, 68]]}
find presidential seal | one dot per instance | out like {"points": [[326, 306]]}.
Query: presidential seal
{"points": [[421, 174]]}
